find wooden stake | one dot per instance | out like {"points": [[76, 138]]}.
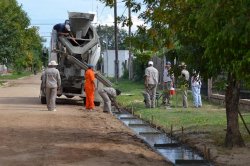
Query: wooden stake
{"points": [[132, 110], [208, 153], [205, 151], [171, 131]]}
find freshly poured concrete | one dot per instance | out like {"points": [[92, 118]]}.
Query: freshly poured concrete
{"points": [[157, 138], [178, 153], [167, 147]]}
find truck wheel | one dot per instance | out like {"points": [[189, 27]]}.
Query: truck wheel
{"points": [[69, 96], [43, 100], [97, 103], [84, 101]]}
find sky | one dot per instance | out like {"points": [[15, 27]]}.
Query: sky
{"points": [[46, 13]]}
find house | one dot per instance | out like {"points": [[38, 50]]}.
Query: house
{"points": [[3, 69], [109, 62]]}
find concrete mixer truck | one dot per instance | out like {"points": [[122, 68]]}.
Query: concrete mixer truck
{"points": [[73, 55]]}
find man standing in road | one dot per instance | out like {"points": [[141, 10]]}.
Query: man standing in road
{"points": [[108, 95], [184, 83], [168, 78], [151, 81], [89, 87], [52, 81]]}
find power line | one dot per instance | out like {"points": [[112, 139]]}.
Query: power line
{"points": [[124, 11], [101, 13], [41, 24]]}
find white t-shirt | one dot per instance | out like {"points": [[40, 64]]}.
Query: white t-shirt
{"points": [[185, 73], [166, 76]]}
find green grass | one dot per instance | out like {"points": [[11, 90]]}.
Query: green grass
{"points": [[211, 118], [14, 75], [1, 83], [132, 93]]}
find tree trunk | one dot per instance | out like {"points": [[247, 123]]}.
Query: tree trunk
{"points": [[233, 135], [209, 88]]}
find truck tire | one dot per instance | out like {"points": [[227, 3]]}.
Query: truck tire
{"points": [[97, 103], [69, 96], [43, 100]]}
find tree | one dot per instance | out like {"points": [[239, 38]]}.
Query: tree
{"points": [[19, 43], [213, 34], [216, 34], [122, 34], [106, 34], [34, 47], [13, 23], [225, 33]]}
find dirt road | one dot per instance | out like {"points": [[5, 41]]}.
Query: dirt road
{"points": [[31, 135]]}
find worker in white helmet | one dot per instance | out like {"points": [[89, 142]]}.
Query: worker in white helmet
{"points": [[151, 81], [52, 81]]}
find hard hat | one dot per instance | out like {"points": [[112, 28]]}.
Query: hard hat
{"points": [[150, 63], [52, 63], [168, 63], [90, 65], [183, 64], [67, 26]]}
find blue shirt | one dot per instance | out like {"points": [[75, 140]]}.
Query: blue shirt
{"points": [[60, 28]]}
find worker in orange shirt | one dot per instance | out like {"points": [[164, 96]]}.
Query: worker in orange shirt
{"points": [[89, 87]]}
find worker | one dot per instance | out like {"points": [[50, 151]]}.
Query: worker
{"points": [[89, 87], [184, 82], [168, 82], [151, 80], [61, 29], [108, 95], [52, 80], [196, 89]]}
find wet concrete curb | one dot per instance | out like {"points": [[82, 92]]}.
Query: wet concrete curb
{"points": [[157, 139]]}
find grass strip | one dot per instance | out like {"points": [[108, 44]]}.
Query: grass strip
{"points": [[209, 120]]}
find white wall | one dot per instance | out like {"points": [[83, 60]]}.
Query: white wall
{"points": [[109, 61], [3, 69]]}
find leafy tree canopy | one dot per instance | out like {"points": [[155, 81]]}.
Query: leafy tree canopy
{"points": [[213, 35], [107, 40], [18, 42]]}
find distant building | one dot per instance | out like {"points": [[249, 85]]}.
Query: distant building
{"points": [[109, 62], [3, 69]]}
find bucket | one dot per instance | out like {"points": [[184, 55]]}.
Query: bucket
{"points": [[172, 91]]}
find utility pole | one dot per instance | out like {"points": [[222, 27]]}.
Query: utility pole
{"points": [[116, 43], [130, 66]]}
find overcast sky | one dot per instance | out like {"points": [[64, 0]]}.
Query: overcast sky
{"points": [[46, 13]]}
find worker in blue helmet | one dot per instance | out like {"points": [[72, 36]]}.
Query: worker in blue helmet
{"points": [[168, 83]]}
